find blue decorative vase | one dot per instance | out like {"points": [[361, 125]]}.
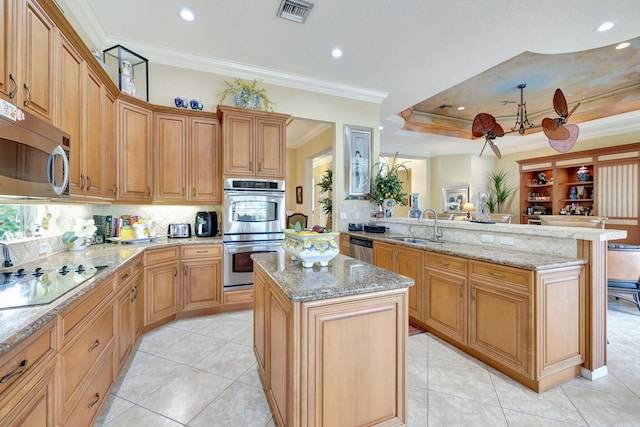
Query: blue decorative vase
{"points": [[574, 193], [583, 174], [245, 100], [414, 212]]}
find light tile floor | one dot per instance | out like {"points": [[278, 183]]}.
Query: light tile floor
{"points": [[202, 372]]}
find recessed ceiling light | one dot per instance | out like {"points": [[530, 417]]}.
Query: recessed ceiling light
{"points": [[605, 26], [380, 127], [336, 53], [460, 108], [623, 45], [187, 15]]}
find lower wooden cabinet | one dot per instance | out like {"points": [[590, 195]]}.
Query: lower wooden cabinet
{"points": [[345, 248], [315, 357], [162, 285], [202, 276]]}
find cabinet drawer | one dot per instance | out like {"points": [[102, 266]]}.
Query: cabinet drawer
{"points": [[138, 265], [450, 264], [238, 297], [22, 360], [71, 318], [123, 275], [94, 396], [201, 251], [81, 355], [159, 256], [515, 278]]}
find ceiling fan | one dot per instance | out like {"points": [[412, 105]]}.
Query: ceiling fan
{"points": [[562, 136]]}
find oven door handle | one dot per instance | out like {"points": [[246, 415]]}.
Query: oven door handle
{"points": [[251, 193]]}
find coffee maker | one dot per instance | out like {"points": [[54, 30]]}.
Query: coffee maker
{"points": [[206, 224]]}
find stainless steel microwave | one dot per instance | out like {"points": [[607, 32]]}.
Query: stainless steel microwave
{"points": [[34, 156]]}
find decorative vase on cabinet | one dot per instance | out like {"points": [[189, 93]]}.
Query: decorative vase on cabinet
{"points": [[414, 212], [583, 174], [245, 100]]}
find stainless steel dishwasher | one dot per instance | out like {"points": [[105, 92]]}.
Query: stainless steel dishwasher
{"points": [[361, 249]]}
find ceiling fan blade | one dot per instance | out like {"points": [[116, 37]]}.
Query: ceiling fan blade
{"points": [[485, 144], [495, 148], [560, 103], [482, 123], [573, 109], [497, 130], [564, 145], [553, 130]]}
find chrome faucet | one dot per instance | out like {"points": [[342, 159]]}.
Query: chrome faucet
{"points": [[7, 256], [437, 234]]}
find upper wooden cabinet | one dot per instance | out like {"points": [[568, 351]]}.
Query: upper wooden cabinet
{"points": [[187, 158], [135, 148], [110, 145], [27, 60], [254, 142]]}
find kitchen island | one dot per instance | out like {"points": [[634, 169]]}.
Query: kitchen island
{"points": [[331, 342]]}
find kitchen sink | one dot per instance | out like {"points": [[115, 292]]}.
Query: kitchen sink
{"points": [[415, 240]]}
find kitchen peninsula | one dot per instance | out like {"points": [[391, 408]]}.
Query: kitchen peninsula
{"points": [[331, 342]]}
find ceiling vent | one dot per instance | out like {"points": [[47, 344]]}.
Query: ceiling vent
{"points": [[295, 10]]}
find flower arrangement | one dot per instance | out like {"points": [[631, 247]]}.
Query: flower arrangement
{"points": [[387, 183], [246, 95], [83, 231]]}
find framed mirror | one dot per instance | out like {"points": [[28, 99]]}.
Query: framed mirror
{"points": [[358, 145]]}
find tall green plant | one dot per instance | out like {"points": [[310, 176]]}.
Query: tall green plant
{"points": [[326, 187], [500, 190], [387, 183]]}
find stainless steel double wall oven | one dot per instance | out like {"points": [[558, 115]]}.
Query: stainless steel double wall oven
{"points": [[254, 216]]}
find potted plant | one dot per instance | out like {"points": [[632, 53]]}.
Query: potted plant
{"points": [[499, 189], [80, 237], [326, 187], [246, 95], [387, 183]]}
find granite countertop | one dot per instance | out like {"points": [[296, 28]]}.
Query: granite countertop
{"points": [[16, 324], [343, 276], [509, 257]]}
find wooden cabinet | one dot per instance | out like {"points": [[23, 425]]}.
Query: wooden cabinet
{"points": [[135, 149], [253, 142], [28, 380], [110, 144], [408, 262], [501, 315], [27, 63], [162, 285], [345, 248], [445, 295], [312, 354], [187, 158], [137, 290], [202, 276], [606, 192]]}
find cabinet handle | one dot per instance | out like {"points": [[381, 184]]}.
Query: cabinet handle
{"points": [[124, 276], [15, 86], [148, 190], [115, 189], [202, 252], [88, 182], [445, 263], [175, 272], [183, 191], [94, 345], [21, 368], [81, 181], [184, 271], [96, 399], [139, 264], [28, 100], [473, 293], [193, 192], [498, 275]]}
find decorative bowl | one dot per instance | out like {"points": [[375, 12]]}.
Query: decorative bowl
{"points": [[310, 247]]}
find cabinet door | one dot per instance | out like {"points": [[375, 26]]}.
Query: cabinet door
{"points": [[445, 304], [238, 145], [37, 59], [205, 173], [383, 255], [260, 322], [138, 305], [124, 327], [92, 119], [409, 263], [8, 40], [202, 283], [69, 110], [270, 148], [170, 157], [135, 131], [33, 405], [161, 292], [109, 145], [499, 325]]}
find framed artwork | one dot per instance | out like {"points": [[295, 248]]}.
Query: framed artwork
{"points": [[358, 143], [299, 194], [454, 197]]}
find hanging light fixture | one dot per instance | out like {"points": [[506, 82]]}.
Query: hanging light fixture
{"points": [[522, 121]]}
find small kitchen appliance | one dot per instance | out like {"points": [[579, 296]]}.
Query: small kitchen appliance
{"points": [[179, 230], [206, 224]]}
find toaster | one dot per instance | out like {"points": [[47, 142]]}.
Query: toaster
{"points": [[179, 230]]}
